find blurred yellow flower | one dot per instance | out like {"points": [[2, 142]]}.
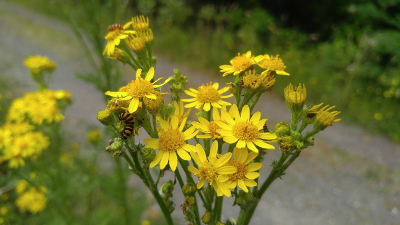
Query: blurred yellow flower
{"points": [[114, 36], [271, 63], [32, 200], [326, 118], [238, 64], [37, 64], [140, 23], [94, 136]]}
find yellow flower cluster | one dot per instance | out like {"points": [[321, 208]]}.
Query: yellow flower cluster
{"points": [[38, 64], [137, 39], [38, 107], [19, 141], [246, 62], [30, 198]]}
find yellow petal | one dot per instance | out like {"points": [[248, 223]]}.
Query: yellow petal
{"points": [[230, 139], [254, 167], [157, 159], [196, 158], [250, 183], [252, 147], [250, 156], [173, 161], [150, 74], [241, 144], [133, 106], [193, 170], [164, 160], [242, 186], [207, 106], [116, 94], [189, 148], [242, 155], [214, 149], [245, 113], [201, 183], [252, 175], [262, 144], [151, 143], [138, 73], [223, 160], [183, 154], [151, 96], [227, 170], [174, 122], [256, 117], [215, 85]]}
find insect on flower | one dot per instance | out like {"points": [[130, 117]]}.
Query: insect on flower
{"points": [[128, 129], [265, 128], [115, 27]]}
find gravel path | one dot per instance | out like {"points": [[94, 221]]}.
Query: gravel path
{"points": [[349, 177]]}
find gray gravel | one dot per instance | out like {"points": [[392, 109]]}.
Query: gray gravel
{"points": [[350, 176]]}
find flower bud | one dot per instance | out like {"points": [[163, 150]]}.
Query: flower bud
{"points": [[148, 154], [202, 114], [120, 55], [206, 218], [167, 188], [189, 189], [299, 145], [104, 116], [295, 135], [115, 146], [285, 142], [190, 201], [167, 110], [282, 128]]}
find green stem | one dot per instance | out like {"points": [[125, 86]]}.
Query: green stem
{"points": [[218, 208], [245, 216], [122, 189], [180, 180]]}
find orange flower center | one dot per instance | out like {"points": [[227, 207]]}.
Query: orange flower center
{"points": [[213, 130]]}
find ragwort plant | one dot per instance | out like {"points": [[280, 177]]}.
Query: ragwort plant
{"points": [[212, 172]]}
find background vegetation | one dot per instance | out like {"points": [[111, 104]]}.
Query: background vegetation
{"points": [[351, 48]]}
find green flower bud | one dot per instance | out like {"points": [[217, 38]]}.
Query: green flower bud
{"points": [[245, 200], [206, 218], [104, 116], [167, 188], [298, 144], [167, 110], [120, 55], [285, 142], [148, 154], [310, 141], [295, 135], [115, 146], [202, 114], [282, 128], [190, 201], [189, 189]]}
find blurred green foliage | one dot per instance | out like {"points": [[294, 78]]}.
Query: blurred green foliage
{"points": [[350, 48]]}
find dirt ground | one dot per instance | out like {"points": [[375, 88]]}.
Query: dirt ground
{"points": [[349, 176]]}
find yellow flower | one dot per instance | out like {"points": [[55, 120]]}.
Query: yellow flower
{"points": [[209, 128], [210, 168], [135, 42], [37, 64], [180, 111], [238, 64], [245, 175], [138, 89], [171, 141], [32, 200], [295, 96], [3, 211], [326, 118], [94, 136], [206, 96], [271, 63], [114, 36], [153, 105], [245, 130], [140, 23]]}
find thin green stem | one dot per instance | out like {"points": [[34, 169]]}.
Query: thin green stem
{"points": [[122, 189], [178, 175], [218, 208], [280, 167]]}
